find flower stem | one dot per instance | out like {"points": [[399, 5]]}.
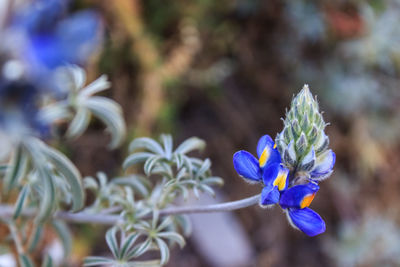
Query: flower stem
{"points": [[226, 206], [6, 211]]}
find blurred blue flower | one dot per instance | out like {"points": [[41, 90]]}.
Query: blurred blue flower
{"points": [[39, 38], [295, 202], [267, 169]]}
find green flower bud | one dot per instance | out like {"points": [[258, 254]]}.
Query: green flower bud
{"points": [[303, 139]]}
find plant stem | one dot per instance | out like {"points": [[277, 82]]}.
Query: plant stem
{"points": [[6, 211]]}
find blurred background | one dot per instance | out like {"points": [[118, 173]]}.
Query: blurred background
{"points": [[225, 71]]}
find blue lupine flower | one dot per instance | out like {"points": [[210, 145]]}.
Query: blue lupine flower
{"points": [[38, 38], [295, 202], [267, 169]]}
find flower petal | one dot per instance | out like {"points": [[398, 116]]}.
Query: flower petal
{"points": [[298, 196], [276, 175], [269, 195], [323, 165], [264, 141], [246, 165], [267, 152], [307, 221]]}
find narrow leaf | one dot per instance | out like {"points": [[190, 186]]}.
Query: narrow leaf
{"points": [[146, 143], [136, 158], [48, 200], [21, 201], [25, 261], [109, 112], [16, 170], [164, 250], [97, 261], [190, 144], [64, 234], [174, 237], [79, 123], [111, 238], [128, 244], [68, 170]]}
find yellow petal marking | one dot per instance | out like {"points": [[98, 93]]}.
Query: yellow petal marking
{"points": [[307, 201], [274, 145], [264, 157], [280, 180]]}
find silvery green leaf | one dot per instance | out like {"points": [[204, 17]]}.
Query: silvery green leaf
{"points": [[3, 168], [68, 170], [54, 112], [149, 164], [16, 170], [184, 222], [184, 191], [111, 239], [167, 142], [136, 158], [79, 123], [110, 113], [77, 76], [36, 236], [213, 180], [203, 169], [174, 237], [164, 169], [196, 192], [25, 261], [164, 224], [190, 144], [140, 249], [21, 201], [102, 179], [47, 201], [135, 181], [127, 244], [64, 234], [178, 160], [207, 189], [97, 261], [164, 250], [97, 86], [48, 261], [181, 174], [146, 143], [90, 183], [188, 164]]}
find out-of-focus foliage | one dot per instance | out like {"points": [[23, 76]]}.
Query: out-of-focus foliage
{"points": [[138, 201]]}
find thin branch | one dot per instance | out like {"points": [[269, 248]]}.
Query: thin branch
{"points": [[6, 211]]}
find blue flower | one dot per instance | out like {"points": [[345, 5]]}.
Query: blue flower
{"points": [[40, 37], [267, 169], [295, 201]]}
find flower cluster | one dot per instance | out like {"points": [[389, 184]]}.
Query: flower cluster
{"points": [[290, 177], [37, 38]]}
